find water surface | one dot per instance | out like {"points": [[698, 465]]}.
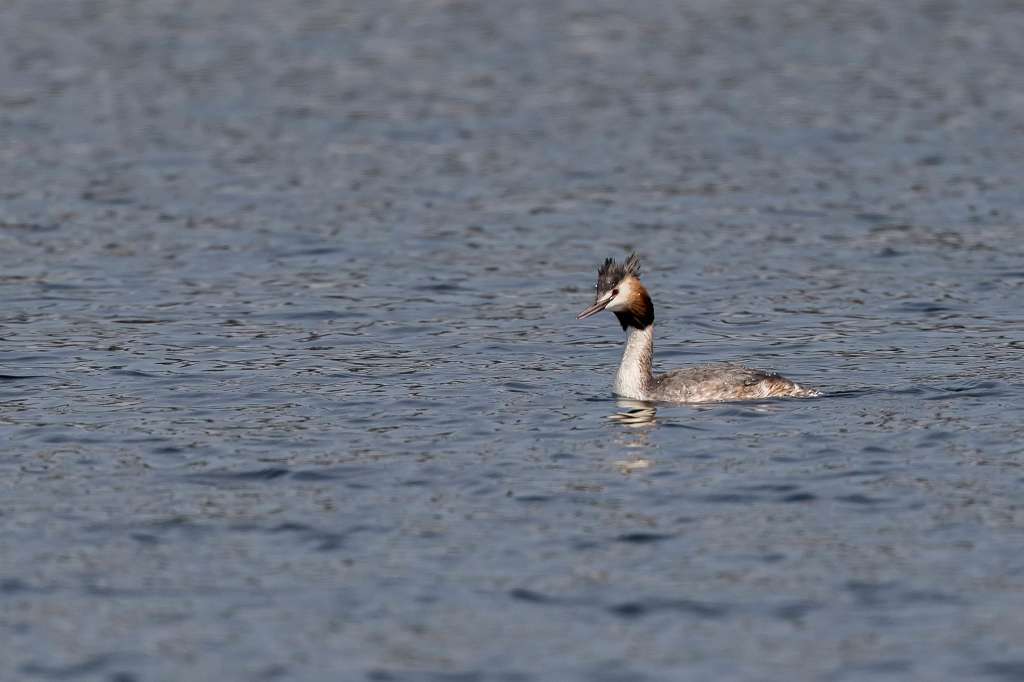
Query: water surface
{"points": [[291, 385]]}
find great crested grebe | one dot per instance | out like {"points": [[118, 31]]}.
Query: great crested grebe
{"points": [[620, 291]]}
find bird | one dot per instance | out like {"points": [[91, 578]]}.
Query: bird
{"points": [[620, 291]]}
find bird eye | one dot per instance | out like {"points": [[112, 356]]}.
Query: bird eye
{"points": [[615, 292]]}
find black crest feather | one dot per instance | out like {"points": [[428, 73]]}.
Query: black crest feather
{"points": [[612, 272]]}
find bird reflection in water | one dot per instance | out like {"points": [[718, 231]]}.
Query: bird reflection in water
{"points": [[639, 416], [635, 413]]}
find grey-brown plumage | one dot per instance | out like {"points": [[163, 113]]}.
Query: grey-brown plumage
{"points": [[620, 291], [708, 383]]}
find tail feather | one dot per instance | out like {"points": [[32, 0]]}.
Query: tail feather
{"points": [[781, 387]]}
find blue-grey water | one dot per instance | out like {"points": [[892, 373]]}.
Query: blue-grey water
{"points": [[291, 385]]}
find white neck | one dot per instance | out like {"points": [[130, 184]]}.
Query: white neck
{"points": [[634, 377]]}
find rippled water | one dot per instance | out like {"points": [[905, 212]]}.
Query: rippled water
{"points": [[291, 385]]}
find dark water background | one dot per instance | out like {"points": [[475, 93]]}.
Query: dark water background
{"points": [[292, 389]]}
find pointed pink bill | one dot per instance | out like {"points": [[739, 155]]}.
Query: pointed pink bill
{"points": [[596, 308]]}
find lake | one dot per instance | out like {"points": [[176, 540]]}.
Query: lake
{"points": [[291, 385]]}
